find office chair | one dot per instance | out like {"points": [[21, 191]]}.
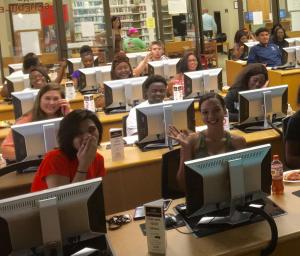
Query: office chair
{"points": [[285, 125], [170, 164], [20, 166], [124, 125]]}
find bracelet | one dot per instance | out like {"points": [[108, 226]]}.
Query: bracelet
{"points": [[83, 172]]}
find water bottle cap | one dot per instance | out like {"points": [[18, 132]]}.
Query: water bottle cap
{"points": [[275, 157]]}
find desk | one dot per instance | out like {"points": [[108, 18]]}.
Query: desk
{"points": [[246, 240], [133, 181], [289, 77], [233, 68]]}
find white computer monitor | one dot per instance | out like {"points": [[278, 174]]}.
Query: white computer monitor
{"points": [[64, 215], [165, 68], [291, 41], [225, 180], [91, 79], [17, 83], [15, 67], [33, 140], [74, 64], [23, 101], [123, 94], [247, 47], [135, 58], [259, 107], [197, 83], [153, 120], [289, 56]]}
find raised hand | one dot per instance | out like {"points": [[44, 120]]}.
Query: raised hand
{"points": [[65, 106], [186, 139]]}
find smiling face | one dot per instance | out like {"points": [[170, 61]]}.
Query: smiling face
{"points": [[87, 128], [122, 70], [263, 37], [49, 103], [156, 92], [192, 62], [37, 80], [256, 81], [212, 113], [280, 34]]}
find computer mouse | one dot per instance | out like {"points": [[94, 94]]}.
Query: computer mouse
{"points": [[170, 221]]}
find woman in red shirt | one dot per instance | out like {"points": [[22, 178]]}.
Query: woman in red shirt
{"points": [[76, 159]]}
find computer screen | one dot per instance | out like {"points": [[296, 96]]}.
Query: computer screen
{"points": [[91, 79], [248, 16], [221, 181], [17, 83], [165, 68], [262, 105], [74, 64], [123, 93], [248, 46], [135, 58], [197, 83], [33, 140], [61, 214], [153, 120], [23, 101], [289, 56], [282, 13], [15, 67]]}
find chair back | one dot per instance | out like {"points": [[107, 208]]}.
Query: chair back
{"points": [[170, 165]]}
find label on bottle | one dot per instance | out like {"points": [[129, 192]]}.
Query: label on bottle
{"points": [[89, 103], [178, 92]]}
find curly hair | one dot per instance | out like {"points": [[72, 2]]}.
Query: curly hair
{"points": [[119, 57], [30, 60], [183, 63], [69, 128], [241, 82]]}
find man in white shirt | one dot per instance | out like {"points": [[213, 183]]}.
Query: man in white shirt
{"points": [[209, 24], [155, 87]]}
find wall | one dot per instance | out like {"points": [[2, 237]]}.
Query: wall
{"points": [[229, 20]]}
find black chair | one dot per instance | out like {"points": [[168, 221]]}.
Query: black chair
{"points": [[285, 124], [124, 125], [20, 166], [170, 164]]}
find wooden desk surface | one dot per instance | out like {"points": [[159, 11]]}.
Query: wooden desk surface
{"points": [[133, 181], [246, 240]]}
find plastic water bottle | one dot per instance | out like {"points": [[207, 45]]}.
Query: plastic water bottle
{"points": [[2, 161], [277, 176], [178, 90], [226, 124], [289, 110]]}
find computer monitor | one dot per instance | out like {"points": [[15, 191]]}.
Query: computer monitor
{"points": [[289, 56], [297, 41], [197, 83], [291, 41], [247, 47], [248, 17], [23, 101], [226, 180], [135, 58], [121, 95], [74, 64], [17, 83], [62, 215], [15, 67], [33, 140], [282, 13], [153, 120], [165, 68], [91, 79], [259, 107]]}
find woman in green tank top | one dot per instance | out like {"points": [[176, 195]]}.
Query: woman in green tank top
{"points": [[214, 140]]}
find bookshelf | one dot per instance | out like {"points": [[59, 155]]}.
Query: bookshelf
{"points": [[167, 22], [87, 11], [134, 13]]}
